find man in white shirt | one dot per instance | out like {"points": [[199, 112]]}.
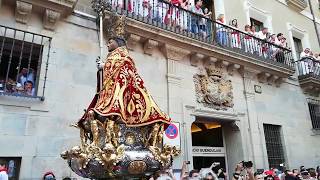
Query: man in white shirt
{"points": [[263, 33], [306, 61], [278, 39], [305, 53], [3, 171]]}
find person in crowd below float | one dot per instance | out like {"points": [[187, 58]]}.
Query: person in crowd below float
{"points": [[49, 176], [3, 171]]}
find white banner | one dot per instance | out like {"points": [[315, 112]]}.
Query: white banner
{"points": [[172, 135], [208, 151]]}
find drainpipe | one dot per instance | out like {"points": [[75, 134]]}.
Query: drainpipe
{"points": [[314, 21]]}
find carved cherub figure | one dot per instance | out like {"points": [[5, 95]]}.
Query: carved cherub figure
{"points": [[112, 133], [110, 156], [78, 154], [153, 137], [164, 156]]}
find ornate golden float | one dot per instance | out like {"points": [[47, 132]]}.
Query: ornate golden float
{"points": [[121, 131]]}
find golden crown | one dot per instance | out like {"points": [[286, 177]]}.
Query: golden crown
{"points": [[115, 25], [212, 70]]}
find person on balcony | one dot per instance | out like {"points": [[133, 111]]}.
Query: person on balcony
{"points": [[173, 15], [262, 46], [185, 15], [306, 61], [159, 10], [316, 63], [235, 35], [221, 34], [142, 8], [195, 19], [207, 23], [255, 41], [248, 39]]}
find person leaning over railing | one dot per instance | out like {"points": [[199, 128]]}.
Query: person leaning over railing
{"points": [[196, 20], [159, 10], [316, 63], [221, 32], [207, 23], [184, 15], [248, 39], [235, 34], [306, 62], [278, 53]]}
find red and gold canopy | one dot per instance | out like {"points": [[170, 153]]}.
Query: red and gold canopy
{"points": [[123, 93]]}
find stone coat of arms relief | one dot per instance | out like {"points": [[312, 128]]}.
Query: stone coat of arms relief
{"points": [[212, 88]]}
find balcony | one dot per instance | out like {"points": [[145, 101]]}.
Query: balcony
{"points": [[297, 5], [157, 24], [309, 75]]}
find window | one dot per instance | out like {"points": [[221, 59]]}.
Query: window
{"points": [[13, 166], [314, 109], [258, 25], [21, 56], [297, 46], [274, 145]]}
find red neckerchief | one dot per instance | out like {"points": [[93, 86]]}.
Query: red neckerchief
{"points": [[3, 169], [197, 7]]}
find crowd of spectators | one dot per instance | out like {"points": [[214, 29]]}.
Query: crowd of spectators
{"points": [[24, 85], [242, 171], [309, 62], [197, 19]]}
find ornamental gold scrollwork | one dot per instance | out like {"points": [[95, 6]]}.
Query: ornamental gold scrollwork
{"points": [[103, 144], [165, 155]]}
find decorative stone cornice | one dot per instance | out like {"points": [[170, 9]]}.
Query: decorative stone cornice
{"points": [[50, 19], [262, 77], [149, 45], [65, 7], [53, 10], [272, 79], [23, 11], [133, 40], [174, 52], [196, 58], [231, 68], [310, 85], [297, 5], [67, 3]]}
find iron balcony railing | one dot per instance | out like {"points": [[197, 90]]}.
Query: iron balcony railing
{"points": [[184, 22], [24, 60], [314, 109], [308, 67]]}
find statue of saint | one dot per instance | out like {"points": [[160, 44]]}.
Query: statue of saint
{"points": [[121, 93]]}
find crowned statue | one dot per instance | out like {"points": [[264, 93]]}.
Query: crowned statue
{"points": [[121, 131]]}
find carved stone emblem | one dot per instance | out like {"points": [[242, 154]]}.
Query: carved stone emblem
{"points": [[212, 88]]}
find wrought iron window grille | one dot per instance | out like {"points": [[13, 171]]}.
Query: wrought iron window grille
{"points": [[24, 61]]}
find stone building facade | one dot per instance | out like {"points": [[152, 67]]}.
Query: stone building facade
{"points": [[195, 82]]}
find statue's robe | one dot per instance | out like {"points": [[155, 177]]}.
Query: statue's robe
{"points": [[121, 92]]}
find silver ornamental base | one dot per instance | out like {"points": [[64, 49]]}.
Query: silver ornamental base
{"points": [[137, 160]]}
